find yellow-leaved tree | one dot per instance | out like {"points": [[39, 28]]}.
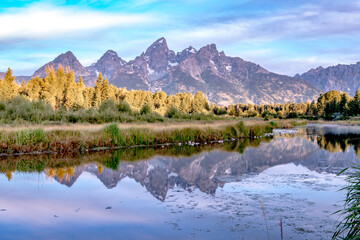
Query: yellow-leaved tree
{"points": [[9, 88]]}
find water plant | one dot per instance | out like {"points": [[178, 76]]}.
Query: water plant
{"points": [[349, 227]]}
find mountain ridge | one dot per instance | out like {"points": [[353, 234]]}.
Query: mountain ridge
{"points": [[223, 79], [341, 77]]}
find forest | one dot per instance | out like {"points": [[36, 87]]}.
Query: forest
{"points": [[60, 97]]}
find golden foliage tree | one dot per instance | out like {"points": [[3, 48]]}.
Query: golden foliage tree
{"points": [[9, 88]]}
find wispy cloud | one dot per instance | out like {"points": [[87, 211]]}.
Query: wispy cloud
{"points": [[44, 21], [309, 21]]}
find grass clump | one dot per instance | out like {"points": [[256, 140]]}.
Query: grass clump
{"points": [[30, 137], [113, 131], [230, 132], [349, 227]]}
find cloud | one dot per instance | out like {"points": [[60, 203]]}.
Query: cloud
{"points": [[45, 21], [304, 22]]}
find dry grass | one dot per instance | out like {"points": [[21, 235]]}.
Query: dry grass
{"points": [[165, 126], [96, 127]]}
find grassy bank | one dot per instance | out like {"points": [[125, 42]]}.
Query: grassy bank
{"points": [[113, 136]]}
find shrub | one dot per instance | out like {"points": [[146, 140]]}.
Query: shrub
{"points": [[173, 113], [108, 105], [145, 109], [151, 117], [219, 111], [124, 107]]}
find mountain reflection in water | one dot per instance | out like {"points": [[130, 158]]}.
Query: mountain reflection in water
{"points": [[206, 167]]}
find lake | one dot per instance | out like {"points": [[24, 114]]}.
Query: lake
{"points": [[212, 191]]}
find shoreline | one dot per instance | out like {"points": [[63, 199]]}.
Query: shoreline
{"points": [[36, 141]]}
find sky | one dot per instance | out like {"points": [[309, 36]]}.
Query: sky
{"points": [[283, 36]]}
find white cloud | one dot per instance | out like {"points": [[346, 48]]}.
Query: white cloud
{"points": [[45, 21]]}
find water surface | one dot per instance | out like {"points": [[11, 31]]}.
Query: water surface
{"points": [[183, 192]]}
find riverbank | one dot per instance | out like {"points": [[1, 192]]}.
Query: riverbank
{"points": [[87, 137]]}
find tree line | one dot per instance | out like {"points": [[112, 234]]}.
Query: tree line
{"points": [[62, 92], [330, 105]]}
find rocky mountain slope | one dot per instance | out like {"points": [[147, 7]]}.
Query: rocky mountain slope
{"points": [[223, 79], [344, 78], [107, 65]]}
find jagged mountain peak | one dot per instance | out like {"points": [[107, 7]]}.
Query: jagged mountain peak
{"points": [[190, 49], [181, 56], [107, 64], [111, 52], [208, 52], [222, 78], [159, 45], [158, 58], [112, 56], [210, 47], [66, 59]]}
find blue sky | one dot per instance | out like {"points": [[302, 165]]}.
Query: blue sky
{"points": [[284, 36]]}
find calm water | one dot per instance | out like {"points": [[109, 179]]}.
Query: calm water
{"points": [[200, 192]]}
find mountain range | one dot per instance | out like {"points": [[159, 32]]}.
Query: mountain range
{"points": [[223, 79], [345, 78]]}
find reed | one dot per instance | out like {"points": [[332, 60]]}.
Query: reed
{"points": [[263, 210], [349, 227], [281, 228]]}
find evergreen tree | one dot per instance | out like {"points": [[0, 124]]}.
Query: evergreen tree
{"points": [[9, 89], [22, 89], [70, 91], [105, 90], [344, 100], [355, 104], [96, 100]]}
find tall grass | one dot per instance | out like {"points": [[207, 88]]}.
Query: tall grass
{"points": [[27, 137], [349, 227]]}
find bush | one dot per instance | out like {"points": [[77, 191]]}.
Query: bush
{"points": [[20, 108], [108, 105], [292, 115], [151, 117], [219, 111], [124, 107], [145, 109], [173, 113]]}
